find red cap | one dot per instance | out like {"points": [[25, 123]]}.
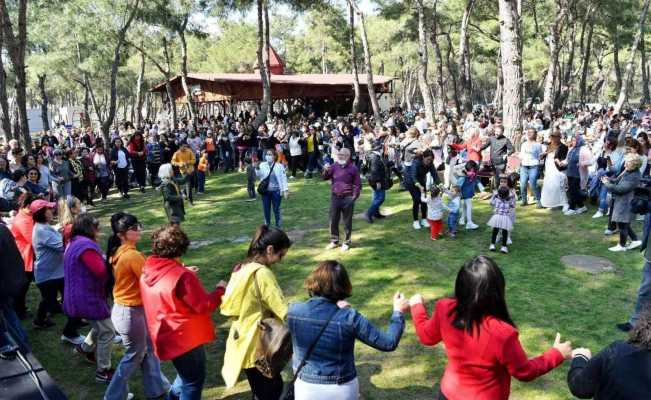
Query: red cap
{"points": [[40, 204]]}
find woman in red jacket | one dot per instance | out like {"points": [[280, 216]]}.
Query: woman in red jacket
{"points": [[178, 311], [481, 340]]}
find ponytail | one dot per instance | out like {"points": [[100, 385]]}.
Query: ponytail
{"points": [[120, 223], [265, 237]]}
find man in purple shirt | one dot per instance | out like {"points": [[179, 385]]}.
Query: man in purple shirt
{"points": [[346, 188]]}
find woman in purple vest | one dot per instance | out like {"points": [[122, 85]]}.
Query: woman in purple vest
{"points": [[86, 276]]}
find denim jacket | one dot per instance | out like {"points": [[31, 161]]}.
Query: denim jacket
{"points": [[333, 359]]}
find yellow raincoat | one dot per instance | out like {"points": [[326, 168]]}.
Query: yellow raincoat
{"points": [[241, 305]]}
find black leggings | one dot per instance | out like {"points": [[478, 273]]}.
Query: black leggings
{"points": [[262, 387], [50, 304], [625, 231], [574, 192], [295, 162], [417, 203], [122, 180], [505, 236], [20, 305]]}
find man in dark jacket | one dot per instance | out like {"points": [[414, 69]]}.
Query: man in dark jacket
{"points": [[619, 372], [379, 180], [12, 278], [500, 148]]}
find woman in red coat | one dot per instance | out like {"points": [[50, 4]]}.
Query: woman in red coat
{"points": [[178, 311], [481, 340]]}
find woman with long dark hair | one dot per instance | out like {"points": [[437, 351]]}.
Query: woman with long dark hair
{"points": [[128, 315], [480, 338], [120, 165], [242, 303]]}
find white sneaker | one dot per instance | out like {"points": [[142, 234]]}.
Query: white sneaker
{"points": [[569, 212], [424, 223], [582, 210], [73, 340], [639, 218], [471, 226], [609, 232], [509, 241], [491, 247], [598, 214], [634, 245], [566, 207], [504, 250], [416, 225], [462, 221], [131, 396], [617, 248], [117, 339], [345, 247], [331, 246]]}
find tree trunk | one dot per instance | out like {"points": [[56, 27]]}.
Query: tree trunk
{"points": [[499, 88], [353, 59], [554, 49], [108, 121], [567, 76], [369, 67], [452, 73], [184, 73], [423, 83], [511, 50], [15, 45], [616, 65], [44, 102], [442, 98], [5, 118], [263, 63], [465, 77], [587, 51], [646, 97], [139, 91], [623, 93]]}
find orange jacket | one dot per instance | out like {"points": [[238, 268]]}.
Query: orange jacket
{"points": [[22, 228]]}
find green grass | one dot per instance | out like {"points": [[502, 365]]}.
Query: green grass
{"points": [[543, 296]]}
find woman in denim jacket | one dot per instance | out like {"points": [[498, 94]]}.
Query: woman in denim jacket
{"points": [[329, 371]]}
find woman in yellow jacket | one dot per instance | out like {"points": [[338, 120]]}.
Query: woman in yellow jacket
{"points": [[240, 303]]}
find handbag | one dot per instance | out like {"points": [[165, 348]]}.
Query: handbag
{"points": [[289, 392], [263, 186], [274, 348]]}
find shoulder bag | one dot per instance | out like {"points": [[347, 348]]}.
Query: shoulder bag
{"points": [[274, 347], [289, 393], [263, 187]]}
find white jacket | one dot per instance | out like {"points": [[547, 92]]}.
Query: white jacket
{"points": [[279, 171]]}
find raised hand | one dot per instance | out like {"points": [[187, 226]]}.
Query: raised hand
{"points": [[415, 299], [400, 303], [565, 348]]}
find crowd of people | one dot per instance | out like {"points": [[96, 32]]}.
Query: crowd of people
{"points": [[156, 307]]}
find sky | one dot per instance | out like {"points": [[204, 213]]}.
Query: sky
{"points": [[211, 24]]}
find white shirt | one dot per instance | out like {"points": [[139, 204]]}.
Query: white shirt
{"points": [[122, 159], [295, 148], [530, 153]]}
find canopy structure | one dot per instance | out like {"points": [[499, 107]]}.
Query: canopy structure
{"points": [[235, 87]]}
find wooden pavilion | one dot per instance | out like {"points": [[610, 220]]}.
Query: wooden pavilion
{"points": [[331, 92]]}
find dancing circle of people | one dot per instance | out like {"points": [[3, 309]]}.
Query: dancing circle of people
{"points": [[157, 308]]}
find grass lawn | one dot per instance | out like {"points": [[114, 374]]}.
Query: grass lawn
{"points": [[389, 255]]}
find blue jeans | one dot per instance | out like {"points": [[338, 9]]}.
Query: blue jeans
{"points": [[269, 200], [603, 198], [643, 293], [201, 181], [312, 165], [453, 217], [130, 323], [191, 374], [529, 175], [378, 199], [10, 325]]}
